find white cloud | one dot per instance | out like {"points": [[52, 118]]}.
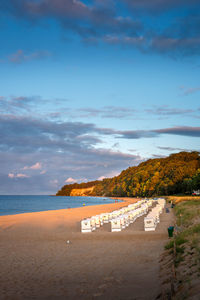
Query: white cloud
{"points": [[70, 180], [43, 172], [18, 175], [109, 175], [36, 166], [101, 177], [11, 175]]}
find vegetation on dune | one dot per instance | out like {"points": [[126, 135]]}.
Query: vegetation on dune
{"points": [[184, 251], [178, 173]]}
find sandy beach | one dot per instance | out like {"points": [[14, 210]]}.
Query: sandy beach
{"points": [[36, 262]]}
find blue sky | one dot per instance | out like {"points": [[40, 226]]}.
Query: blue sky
{"points": [[89, 88]]}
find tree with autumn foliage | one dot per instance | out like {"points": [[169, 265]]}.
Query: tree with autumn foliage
{"points": [[175, 174]]}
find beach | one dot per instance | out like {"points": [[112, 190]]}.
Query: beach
{"points": [[45, 256]]}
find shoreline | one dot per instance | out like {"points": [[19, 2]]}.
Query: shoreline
{"points": [[32, 212], [65, 217]]}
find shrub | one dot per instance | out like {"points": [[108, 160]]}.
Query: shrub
{"points": [[169, 245]]}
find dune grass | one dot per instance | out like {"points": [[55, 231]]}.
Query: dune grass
{"points": [[187, 231], [184, 250]]}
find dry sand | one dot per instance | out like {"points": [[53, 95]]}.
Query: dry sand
{"points": [[36, 262]]}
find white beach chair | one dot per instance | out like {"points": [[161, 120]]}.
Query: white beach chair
{"points": [[106, 218], [123, 223], [93, 223], [97, 221], [116, 225], [86, 225], [149, 224]]}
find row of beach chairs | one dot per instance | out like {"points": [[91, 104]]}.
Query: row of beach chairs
{"points": [[119, 219], [153, 217]]}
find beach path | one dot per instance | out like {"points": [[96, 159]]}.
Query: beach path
{"points": [[37, 262]]}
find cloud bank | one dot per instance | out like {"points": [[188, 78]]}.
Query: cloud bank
{"points": [[121, 22]]}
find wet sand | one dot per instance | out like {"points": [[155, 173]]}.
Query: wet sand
{"points": [[36, 262]]}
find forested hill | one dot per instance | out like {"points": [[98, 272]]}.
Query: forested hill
{"points": [[177, 173]]}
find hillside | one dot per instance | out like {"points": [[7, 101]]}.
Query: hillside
{"points": [[177, 173]]}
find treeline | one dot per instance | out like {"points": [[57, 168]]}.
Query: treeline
{"points": [[177, 174]]}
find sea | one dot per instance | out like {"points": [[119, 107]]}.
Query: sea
{"points": [[14, 204]]}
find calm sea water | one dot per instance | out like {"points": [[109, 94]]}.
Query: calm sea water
{"points": [[10, 204]]}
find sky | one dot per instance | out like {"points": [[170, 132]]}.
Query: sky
{"points": [[90, 88]]}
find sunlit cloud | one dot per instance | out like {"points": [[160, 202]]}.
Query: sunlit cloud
{"points": [[101, 177], [36, 166], [43, 172], [70, 180], [18, 175]]}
